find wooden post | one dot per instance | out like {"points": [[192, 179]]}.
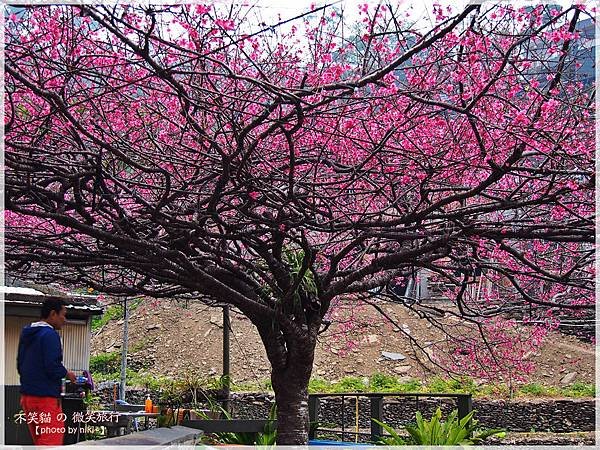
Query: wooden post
{"points": [[313, 416], [465, 406], [376, 413]]}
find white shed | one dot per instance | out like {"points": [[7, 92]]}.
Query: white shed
{"points": [[23, 306]]}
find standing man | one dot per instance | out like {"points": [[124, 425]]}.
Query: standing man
{"points": [[40, 367]]}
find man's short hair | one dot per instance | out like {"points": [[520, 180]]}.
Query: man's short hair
{"points": [[51, 304]]}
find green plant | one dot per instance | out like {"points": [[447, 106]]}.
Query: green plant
{"points": [[393, 439], [105, 363], [350, 384], [494, 390], [437, 432], [295, 260], [269, 434], [94, 433]]}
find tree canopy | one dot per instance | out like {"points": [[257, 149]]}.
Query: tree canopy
{"points": [[173, 151]]}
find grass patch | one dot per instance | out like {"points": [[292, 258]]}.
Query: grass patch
{"points": [[575, 390], [579, 389], [114, 312], [380, 382]]}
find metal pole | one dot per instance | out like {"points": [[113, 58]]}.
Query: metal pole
{"points": [[124, 351], [226, 366]]}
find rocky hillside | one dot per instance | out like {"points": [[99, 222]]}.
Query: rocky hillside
{"points": [[168, 338]]}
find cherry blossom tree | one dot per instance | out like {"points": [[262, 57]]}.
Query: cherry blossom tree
{"points": [[188, 151]]}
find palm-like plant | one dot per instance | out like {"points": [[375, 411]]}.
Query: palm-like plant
{"points": [[438, 432]]}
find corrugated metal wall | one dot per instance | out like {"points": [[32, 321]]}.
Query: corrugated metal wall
{"points": [[75, 338]]}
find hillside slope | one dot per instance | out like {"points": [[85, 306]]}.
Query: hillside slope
{"points": [[168, 338]]}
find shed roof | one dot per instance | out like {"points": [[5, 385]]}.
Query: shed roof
{"points": [[28, 297]]}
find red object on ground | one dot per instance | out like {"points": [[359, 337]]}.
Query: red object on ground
{"points": [[42, 415]]}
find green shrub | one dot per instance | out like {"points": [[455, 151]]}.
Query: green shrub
{"points": [[318, 385], [579, 389], [350, 384], [452, 386], [105, 363], [381, 382], [532, 389], [135, 379], [576, 390], [410, 386]]}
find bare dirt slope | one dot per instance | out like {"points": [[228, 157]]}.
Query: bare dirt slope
{"points": [[169, 338]]}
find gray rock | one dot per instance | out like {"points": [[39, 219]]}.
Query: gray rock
{"points": [[393, 356], [568, 378]]}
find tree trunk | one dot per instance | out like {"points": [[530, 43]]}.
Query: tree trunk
{"points": [[291, 395], [291, 352]]}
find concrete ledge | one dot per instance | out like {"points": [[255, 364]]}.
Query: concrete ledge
{"points": [[156, 437]]}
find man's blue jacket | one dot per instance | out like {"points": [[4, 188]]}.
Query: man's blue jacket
{"points": [[39, 360]]}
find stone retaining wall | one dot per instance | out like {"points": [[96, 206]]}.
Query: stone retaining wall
{"points": [[558, 416], [551, 415]]}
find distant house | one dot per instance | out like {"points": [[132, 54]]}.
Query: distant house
{"points": [[21, 307]]}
